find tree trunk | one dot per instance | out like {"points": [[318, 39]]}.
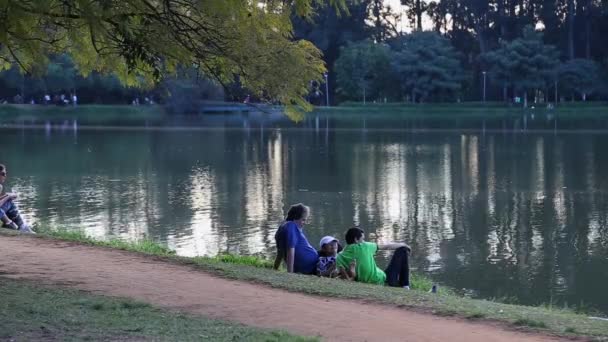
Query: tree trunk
{"points": [[501, 19], [512, 16], [419, 15], [481, 37], [588, 32], [525, 99], [571, 14], [504, 92]]}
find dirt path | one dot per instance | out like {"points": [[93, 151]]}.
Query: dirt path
{"points": [[124, 274]]}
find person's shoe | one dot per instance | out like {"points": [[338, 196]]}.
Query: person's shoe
{"points": [[25, 229], [406, 287]]}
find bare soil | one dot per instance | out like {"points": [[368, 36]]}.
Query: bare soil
{"points": [[183, 288]]}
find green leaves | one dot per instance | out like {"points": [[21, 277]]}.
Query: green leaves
{"points": [[422, 65], [428, 66], [142, 40], [362, 69], [581, 76], [525, 63]]}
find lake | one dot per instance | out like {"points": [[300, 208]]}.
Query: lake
{"points": [[509, 208]]}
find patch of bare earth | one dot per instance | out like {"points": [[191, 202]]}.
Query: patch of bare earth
{"points": [[177, 287]]}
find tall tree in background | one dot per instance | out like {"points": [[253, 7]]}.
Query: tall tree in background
{"points": [[363, 71], [428, 66], [580, 76], [416, 8], [571, 16], [525, 64], [329, 29]]}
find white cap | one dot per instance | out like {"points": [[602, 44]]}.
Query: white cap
{"points": [[326, 240]]}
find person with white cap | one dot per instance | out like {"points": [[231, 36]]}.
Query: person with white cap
{"points": [[326, 266]]}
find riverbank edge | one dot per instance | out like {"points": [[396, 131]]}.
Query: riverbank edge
{"points": [[102, 113], [30, 311], [547, 320]]}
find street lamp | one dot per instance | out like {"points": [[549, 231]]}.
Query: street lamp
{"points": [[484, 85], [326, 90]]}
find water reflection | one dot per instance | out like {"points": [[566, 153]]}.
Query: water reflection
{"points": [[504, 215]]}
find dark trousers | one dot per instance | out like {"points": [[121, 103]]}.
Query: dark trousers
{"points": [[10, 209], [398, 270]]}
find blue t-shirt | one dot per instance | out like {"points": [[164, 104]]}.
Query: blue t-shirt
{"points": [[290, 235]]}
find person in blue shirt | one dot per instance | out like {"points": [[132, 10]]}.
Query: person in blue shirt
{"points": [[292, 246]]}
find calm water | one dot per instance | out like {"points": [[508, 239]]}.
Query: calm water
{"points": [[521, 215]]}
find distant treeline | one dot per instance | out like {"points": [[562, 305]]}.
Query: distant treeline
{"points": [[527, 48]]}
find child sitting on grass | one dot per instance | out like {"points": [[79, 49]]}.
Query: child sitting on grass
{"points": [[327, 267]]}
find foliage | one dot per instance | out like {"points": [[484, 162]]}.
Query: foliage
{"points": [[362, 70], [525, 64], [141, 40], [427, 66], [580, 75], [181, 91], [415, 10]]}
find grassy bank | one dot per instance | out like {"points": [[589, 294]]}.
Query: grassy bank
{"points": [[116, 114], [86, 113], [465, 109], [30, 312], [548, 319]]}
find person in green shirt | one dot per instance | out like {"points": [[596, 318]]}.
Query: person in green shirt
{"points": [[397, 274]]}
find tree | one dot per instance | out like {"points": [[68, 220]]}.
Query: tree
{"points": [[141, 40], [330, 30], [580, 76], [525, 64], [416, 9], [428, 66], [362, 70]]}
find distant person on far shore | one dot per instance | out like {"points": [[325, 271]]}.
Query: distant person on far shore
{"points": [[292, 246], [9, 214], [74, 100]]}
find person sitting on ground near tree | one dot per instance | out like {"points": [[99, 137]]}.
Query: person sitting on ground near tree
{"points": [[9, 214], [292, 245], [397, 274], [326, 266]]}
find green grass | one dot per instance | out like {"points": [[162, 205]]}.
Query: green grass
{"points": [[446, 303], [92, 114], [526, 322], [245, 260], [30, 312], [575, 110]]}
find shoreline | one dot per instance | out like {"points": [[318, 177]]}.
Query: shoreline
{"points": [[545, 320]]}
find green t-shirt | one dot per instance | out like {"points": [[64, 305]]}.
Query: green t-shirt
{"points": [[364, 252]]}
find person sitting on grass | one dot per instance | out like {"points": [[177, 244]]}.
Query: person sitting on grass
{"points": [[326, 266], [397, 274], [292, 245], [9, 214]]}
